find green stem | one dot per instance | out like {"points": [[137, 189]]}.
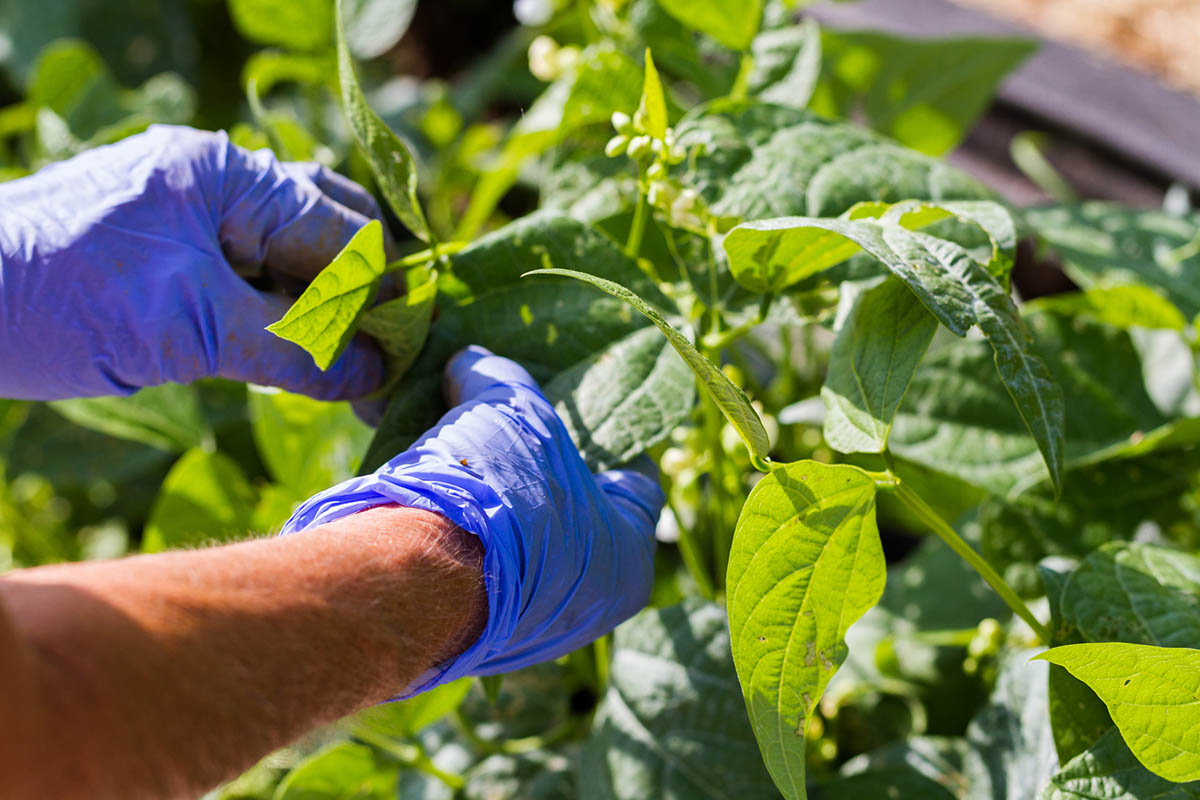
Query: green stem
{"points": [[742, 82], [722, 538], [693, 559], [948, 535], [513, 747], [411, 755], [422, 256], [633, 245]]}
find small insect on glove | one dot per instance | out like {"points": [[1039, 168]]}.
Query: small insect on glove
{"points": [[120, 268], [567, 554]]}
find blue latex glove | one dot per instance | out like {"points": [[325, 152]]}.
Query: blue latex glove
{"points": [[567, 554], [117, 268]]}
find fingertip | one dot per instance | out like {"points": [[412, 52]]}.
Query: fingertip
{"points": [[474, 369]]}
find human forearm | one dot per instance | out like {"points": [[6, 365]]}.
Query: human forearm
{"points": [[164, 674]]}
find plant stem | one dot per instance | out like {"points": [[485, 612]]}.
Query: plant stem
{"points": [[742, 82], [633, 245], [693, 559], [421, 256], [409, 754], [948, 535]]}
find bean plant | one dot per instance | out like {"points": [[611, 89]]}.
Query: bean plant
{"points": [[747, 260]]}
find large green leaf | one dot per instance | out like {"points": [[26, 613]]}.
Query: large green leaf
{"points": [[1136, 593], [950, 282], [1104, 243], [296, 24], [307, 445], [375, 26], [168, 417], [924, 93], [875, 354], [919, 767], [1098, 504], [614, 380], [754, 160], [728, 396], [1079, 719], [323, 319], [958, 418], [1153, 694], [732, 24], [787, 64], [341, 771], [672, 725], [401, 325], [806, 563], [1108, 770], [204, 498], [1012, 753], [403, 719], [530, 776], [1122, 306], [391, 163]]}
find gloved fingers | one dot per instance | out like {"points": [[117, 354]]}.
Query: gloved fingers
{"points": [[253, 354], [634, 488], [342, 190], [279, 217], [472, 371]]}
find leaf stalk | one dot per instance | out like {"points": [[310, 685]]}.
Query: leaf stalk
{"points": [[947, 534]]}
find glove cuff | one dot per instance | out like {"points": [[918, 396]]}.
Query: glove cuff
{"points": [[467, 507]]}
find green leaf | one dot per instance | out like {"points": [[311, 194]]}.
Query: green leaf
{"points": [[1153, 694], [1102, 244], [405, 718], [1099, 503], [374, 27], [806, 563], [168, 417], [266, 69], [874, 356], [653, 103], [958, 417], [1124, 307], [390, 160], [1110, 771], [616, 383], [736, 148], [770, 254], [307, 445], [924, 93], [728, 396], [605, 80], [323, 319], [1136, 593], [787, 64], [204, 498], [295, 24], [402, 324], [1012, 753], [672, 724], [920, 766], [530, 776], [1079, 718], [732, 24], [341, 771]]}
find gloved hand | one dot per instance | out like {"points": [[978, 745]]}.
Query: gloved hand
{"points": [[117, 268], [567, 554]]}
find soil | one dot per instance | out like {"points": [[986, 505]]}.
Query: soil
{"points": [[1158, 36]]}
